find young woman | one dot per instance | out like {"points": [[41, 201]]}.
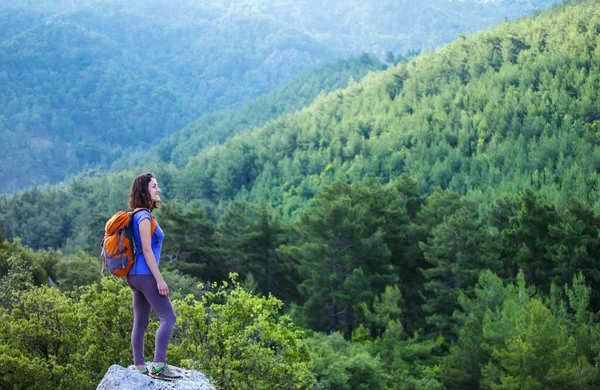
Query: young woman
{"points": [[150, 291]]}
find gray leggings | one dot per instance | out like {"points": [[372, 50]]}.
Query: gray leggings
{"points": [[145, 298]]}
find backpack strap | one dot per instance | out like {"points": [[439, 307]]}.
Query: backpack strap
{"points": [[137, 252]]}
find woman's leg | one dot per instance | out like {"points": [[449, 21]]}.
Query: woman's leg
{"points": [[162, 305], [141, 319]]}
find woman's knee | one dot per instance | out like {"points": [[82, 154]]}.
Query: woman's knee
{"points": [[168, 318], [146, 323], [141, 323], [172, 319]]}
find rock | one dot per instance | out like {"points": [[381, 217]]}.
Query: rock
{"points": [[120, 378]]}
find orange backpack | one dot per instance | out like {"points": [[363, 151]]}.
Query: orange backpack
{"points": [[118, 246]]}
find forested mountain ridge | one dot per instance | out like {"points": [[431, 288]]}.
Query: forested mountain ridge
{"points": [[389, 25], [78, 77], [81, 86], [488, 114], [214, 128]]}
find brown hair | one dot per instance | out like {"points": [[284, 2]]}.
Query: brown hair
{"points": [[139, 197]]}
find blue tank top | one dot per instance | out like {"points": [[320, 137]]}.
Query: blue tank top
{"points": [[140, 267]]}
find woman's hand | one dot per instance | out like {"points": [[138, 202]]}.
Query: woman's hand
{"points": [[163, 289]]}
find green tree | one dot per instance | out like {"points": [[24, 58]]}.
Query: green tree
{"points": [[340, 364], [462, 367], [77, 269], [538, 353], [44, 329], [527, 239], [250, 235], [575, 245], [191, 242], [458, 250], [409, 360], [341, 248], [18, 279]]}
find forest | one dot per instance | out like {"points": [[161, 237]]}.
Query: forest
{"points": [[432, 225], [85, 83]]}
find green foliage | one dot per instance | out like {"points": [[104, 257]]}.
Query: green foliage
{"points": [[251, 234], [239, 340], [41, 264], [196, 57], [66, 341], [106, 340], [191, 245], [44, 329], [215, 127], [388, 360], [458, 250], [180, 284], [510, 339], [410, 361], [538, 353], [342, 255], [498, 134], [575, 246], [78, 92], [77, 269], [459, 118], [386, 311], [339, 364], [441, 125], [528, 237], [18, 279]]}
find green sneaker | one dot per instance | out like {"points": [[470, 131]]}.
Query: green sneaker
{"points": [[144, 371], [163, 372]]}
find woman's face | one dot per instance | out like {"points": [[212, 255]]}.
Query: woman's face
{"points": [[153, 190]]}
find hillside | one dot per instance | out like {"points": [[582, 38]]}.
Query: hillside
{"points": [[392, 25], [81, 86], [213, 128], [486, 116], [493, 112], [84, 82]]}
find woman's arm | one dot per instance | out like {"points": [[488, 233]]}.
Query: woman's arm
{"points": [[146, 238]]}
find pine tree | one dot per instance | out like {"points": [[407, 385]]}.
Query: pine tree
{"points": [[341, 248], [459, 249], [250, 236], [527, 239], [191, 244]]}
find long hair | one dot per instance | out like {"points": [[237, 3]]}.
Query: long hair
{"points": [[139, 197]]}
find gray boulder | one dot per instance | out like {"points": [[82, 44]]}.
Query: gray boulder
{"points": [[120, 378]]}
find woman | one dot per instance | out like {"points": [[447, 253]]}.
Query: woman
{"points": [[149, 288]]}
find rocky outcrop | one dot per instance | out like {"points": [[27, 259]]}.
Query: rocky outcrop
{"points": [[120, 378]]}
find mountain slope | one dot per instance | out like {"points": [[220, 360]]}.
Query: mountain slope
{"points": [[213, 128], [489, 114], [486, 116], [80, 86], [390, 25], [82, 82]]}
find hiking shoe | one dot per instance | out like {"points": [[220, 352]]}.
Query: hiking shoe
{"points": [[144, 372], [163, 372]]}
